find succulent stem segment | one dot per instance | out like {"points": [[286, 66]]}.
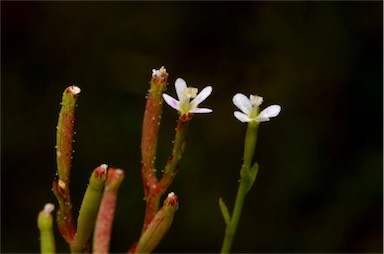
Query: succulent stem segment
{"points": [[64, 136], [103, 228], [151, 123], [247, 177], [64, 140], [45, 223], [159, 226], [89, 209], [154, 188], [157, 188]]}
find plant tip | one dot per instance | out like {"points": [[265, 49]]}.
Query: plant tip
{"points": [[75, 90], [48, 208], [159, 73]]}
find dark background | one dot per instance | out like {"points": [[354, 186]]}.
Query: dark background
{"points": [[320, 185]]}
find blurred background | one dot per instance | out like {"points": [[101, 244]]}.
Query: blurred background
{"points": [[320, 184]]}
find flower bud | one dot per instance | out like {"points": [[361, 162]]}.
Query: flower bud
{"points": [[45, 224], [159, 226]]}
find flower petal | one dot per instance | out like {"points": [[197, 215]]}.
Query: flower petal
{"points": [[201, 96], [180, 86], [268, 112], [171, 101], [201, 110], [243, 103], [241, 117], [261, 119]]}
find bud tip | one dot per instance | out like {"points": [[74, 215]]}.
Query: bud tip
{"points": [[75, 90], [172, 199], [48, 208]]}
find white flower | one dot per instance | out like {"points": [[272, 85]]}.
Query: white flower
{"points": [[250, 109], [185, 105]]}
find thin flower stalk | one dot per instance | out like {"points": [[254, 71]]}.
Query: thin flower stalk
{"points": [[103, 228], [187, 105], [172, 165], [247, 177], [45, 224], [64, 140], [89, 209], [250, 114]]}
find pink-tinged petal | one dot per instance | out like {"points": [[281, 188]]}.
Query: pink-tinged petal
{"points": [[241, 117], [201, 96], [243, 103], [201, 110], [180, 86], [171, 101]]}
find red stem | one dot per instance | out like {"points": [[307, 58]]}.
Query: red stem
{"points": [[151, 123], [156, 188], [64, 213], [153, 111], [102, 235]]}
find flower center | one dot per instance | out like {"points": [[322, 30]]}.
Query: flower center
{"points": [[256, 100], [190, 92]]}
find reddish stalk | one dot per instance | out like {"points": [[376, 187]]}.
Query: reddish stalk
{"points": [[64, 213], [151, 123], [172, 165], [64, 140], [154, 188], [103, 228]]}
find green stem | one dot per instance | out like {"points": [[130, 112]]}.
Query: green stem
{"points": [[171, 167], [231, 228], [159, 226], [64, 135], [89, 208], [64, 140], [247, 177], [250, 143], [45, 223]]}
